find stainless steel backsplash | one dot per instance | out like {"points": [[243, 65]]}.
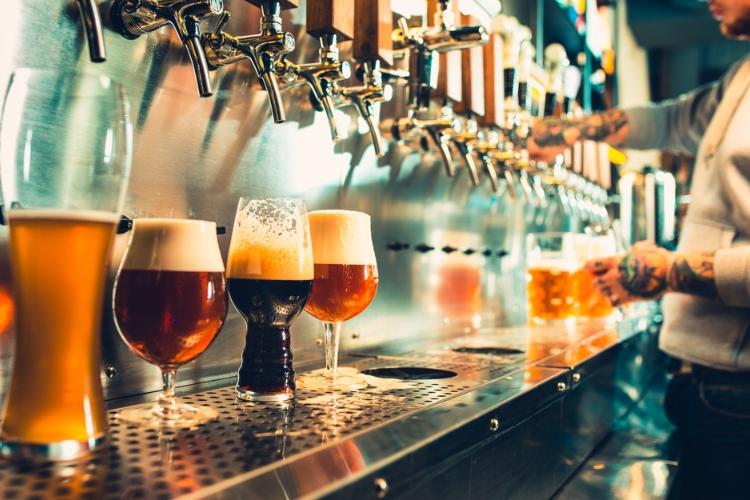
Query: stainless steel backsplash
{"points": [[195, 157]]}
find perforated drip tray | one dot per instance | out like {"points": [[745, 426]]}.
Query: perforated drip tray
{"points": [[147, 463]]}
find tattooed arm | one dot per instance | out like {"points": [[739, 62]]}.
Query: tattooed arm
{"points": [[552, 136], [647, 272]]}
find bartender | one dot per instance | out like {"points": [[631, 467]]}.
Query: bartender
{"points": [[706, 282]]}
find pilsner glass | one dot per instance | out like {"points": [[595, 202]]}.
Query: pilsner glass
{"points": [[551, 264], [346, 279], [169, 304], [65, 152], [591, 303], [270, 273]]}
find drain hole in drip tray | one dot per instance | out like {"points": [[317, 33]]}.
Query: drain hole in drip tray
{"points": [[492, 351], [409, 373]]}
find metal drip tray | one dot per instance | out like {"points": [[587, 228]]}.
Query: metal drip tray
{"points": [[148, 463], [410, 373], [489, 350]]}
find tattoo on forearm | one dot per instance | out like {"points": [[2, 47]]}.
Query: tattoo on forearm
{"points": [[644, 274], [694, 274], [564, 132]]}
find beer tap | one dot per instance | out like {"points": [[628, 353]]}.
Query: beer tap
{"points": [[555, 62], [463, 137], [425, 42], [263, 49], [437, 129], [134, 18], [331, 22], [372, 47], [92, 28]]}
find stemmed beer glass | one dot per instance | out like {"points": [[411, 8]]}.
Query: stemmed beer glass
{"points": [[65, 153], [270, 272], [346, 279], [170, 303]]}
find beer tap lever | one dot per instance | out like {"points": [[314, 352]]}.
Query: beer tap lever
{"points": [[134, 18], [372, 47], [264, 50], [92, 28], [331, 22]]}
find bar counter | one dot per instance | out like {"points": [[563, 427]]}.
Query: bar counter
{"points": [[523, 410]]}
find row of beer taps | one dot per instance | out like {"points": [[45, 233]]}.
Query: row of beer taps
{"points": [[495, 150]]}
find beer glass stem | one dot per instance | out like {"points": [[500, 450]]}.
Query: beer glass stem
{"points": [[168, 407], [332, 337]]}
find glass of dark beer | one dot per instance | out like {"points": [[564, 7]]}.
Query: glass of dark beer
{"points": [[270, 272], [65, 151], [170, 303], [346, 279]]}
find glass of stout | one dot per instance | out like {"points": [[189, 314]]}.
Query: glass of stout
{"points": [[170, 303], [346, 279], [270, 273]]}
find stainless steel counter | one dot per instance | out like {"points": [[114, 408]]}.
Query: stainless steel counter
{"points": [[518, 422]]}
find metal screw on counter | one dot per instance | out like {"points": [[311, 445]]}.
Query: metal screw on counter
{"points": [[134, 18], [372, 47], [331, 22], [264, 50], [92, 28]]}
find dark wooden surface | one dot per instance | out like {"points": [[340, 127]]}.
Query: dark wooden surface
{"points": [[331, 17], [493, 82], [373, 25]]}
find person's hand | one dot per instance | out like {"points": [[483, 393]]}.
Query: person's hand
{"points": [[550, 137], [641, 274]]}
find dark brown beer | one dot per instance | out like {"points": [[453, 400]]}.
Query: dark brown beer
{"points": [[268, 306], [342, 291], [169, 317]]}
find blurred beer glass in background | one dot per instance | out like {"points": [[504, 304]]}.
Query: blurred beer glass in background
{"points": [[169, 304], [551, 263], [346, 279], [590, 302], [270, 273], [65, 153]]}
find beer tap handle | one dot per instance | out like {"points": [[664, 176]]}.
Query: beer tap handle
{"points": [[372, 46], [555, 62], [92, 28]]}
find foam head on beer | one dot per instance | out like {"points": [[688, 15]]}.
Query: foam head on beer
{"points": [[174, 245], [341, 237], [269, 242]]}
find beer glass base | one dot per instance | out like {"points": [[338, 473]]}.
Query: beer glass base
{"points": [[271, 397], [61, 451], [184, 416]]}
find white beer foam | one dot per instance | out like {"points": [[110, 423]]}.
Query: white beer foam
{"points": [[173, 245], [270, 242], [63, 214], [341, 237]]}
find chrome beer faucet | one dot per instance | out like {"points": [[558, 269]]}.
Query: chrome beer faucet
{"points": [[438, 130], [92, 28], [263, 50], [134, 18], [425, 42]]}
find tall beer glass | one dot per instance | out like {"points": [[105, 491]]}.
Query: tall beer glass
{"points": [[591, 303], [65, 150], [170, 302], [270, 272], [551, 288], [346, 279]]}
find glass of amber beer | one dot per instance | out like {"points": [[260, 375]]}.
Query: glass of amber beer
{"points": [[591, 303], [65, 150], [270, 272], [170, 303], [346, 279], [551, 263]]}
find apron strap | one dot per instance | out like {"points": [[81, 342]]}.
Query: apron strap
{"points": [[725, 111]]}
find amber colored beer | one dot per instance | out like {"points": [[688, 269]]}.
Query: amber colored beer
{"points": [[551, 293], [342, 291], [59, 265], [591, 302], [459, 289], [170, 317]]}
